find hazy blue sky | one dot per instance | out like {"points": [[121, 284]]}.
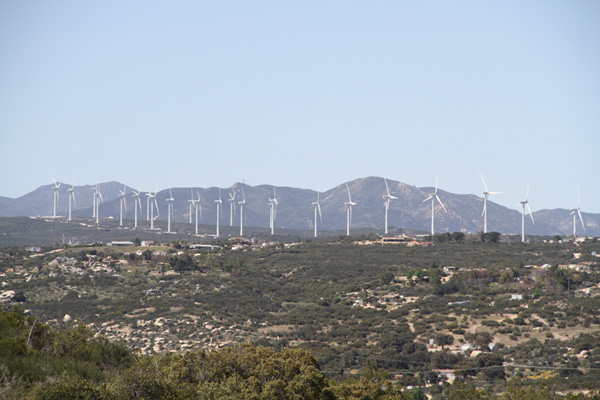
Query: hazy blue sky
{"points": [[307, 94]]}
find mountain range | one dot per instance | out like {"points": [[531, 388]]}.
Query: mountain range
{"points": [[295, 210]]}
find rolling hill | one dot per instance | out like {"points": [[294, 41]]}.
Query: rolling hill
{"points": [[295, 210]]}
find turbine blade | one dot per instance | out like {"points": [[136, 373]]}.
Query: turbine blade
{"points": [[484, 207], [530, 214], [438, 199], [429, 198], [320, 215], [387, 188], [482, 180], [157, 211], [581, 218]]}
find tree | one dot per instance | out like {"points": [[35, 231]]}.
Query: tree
{"points": [[491, 366], [444, 340], [479, 339], [458, 237], [492, 237]]}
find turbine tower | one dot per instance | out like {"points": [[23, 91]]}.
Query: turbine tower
{"points": [[486, 193], [198, 209], [98, 199], [152, 203], [387, 197], [94, 194], [273, 211], [575, 212], [219, 204], [137, 203], [433, 197], [241, 203], [71, 199], [348, 205], [192, 204], [169, 210], [317, 206], [232, 210], [525, 203], [148, 197], [55, 190], [122, 204]]}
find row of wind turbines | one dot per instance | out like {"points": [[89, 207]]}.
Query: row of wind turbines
{"points": [[196, 208]]}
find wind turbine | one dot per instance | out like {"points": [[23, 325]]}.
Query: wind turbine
{"points": [[137, 203], [433, 197], [122, 203], [241, 203], [348, 205], [71, 199], [525, 203], [273, 210], [575, 212], [317, 206], [198, 208], [486, 193], [169, 210], [219, 204], [387, 197], [55, 190], [98, 197], [152, 203]]}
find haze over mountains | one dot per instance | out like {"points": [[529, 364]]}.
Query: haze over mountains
{"points": [[295, 210]]}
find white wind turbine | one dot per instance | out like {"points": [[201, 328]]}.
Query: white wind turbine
{"points": [[525, 203], [152, 203], [169, 210], [486, 193], [232, 210], [122, 204], [137, 203], [55, 192], [433, 197], [348, 205], [317, 206], [387, 197], [71, 199], [198, 209], [98, 197], [219, 204], [241, 203], [273, 211], [575, 212]]}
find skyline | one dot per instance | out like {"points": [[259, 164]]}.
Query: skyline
{"points": [[308, 96]]}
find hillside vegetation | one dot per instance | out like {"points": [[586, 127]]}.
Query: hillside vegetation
{"points": [[329, 319]]}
